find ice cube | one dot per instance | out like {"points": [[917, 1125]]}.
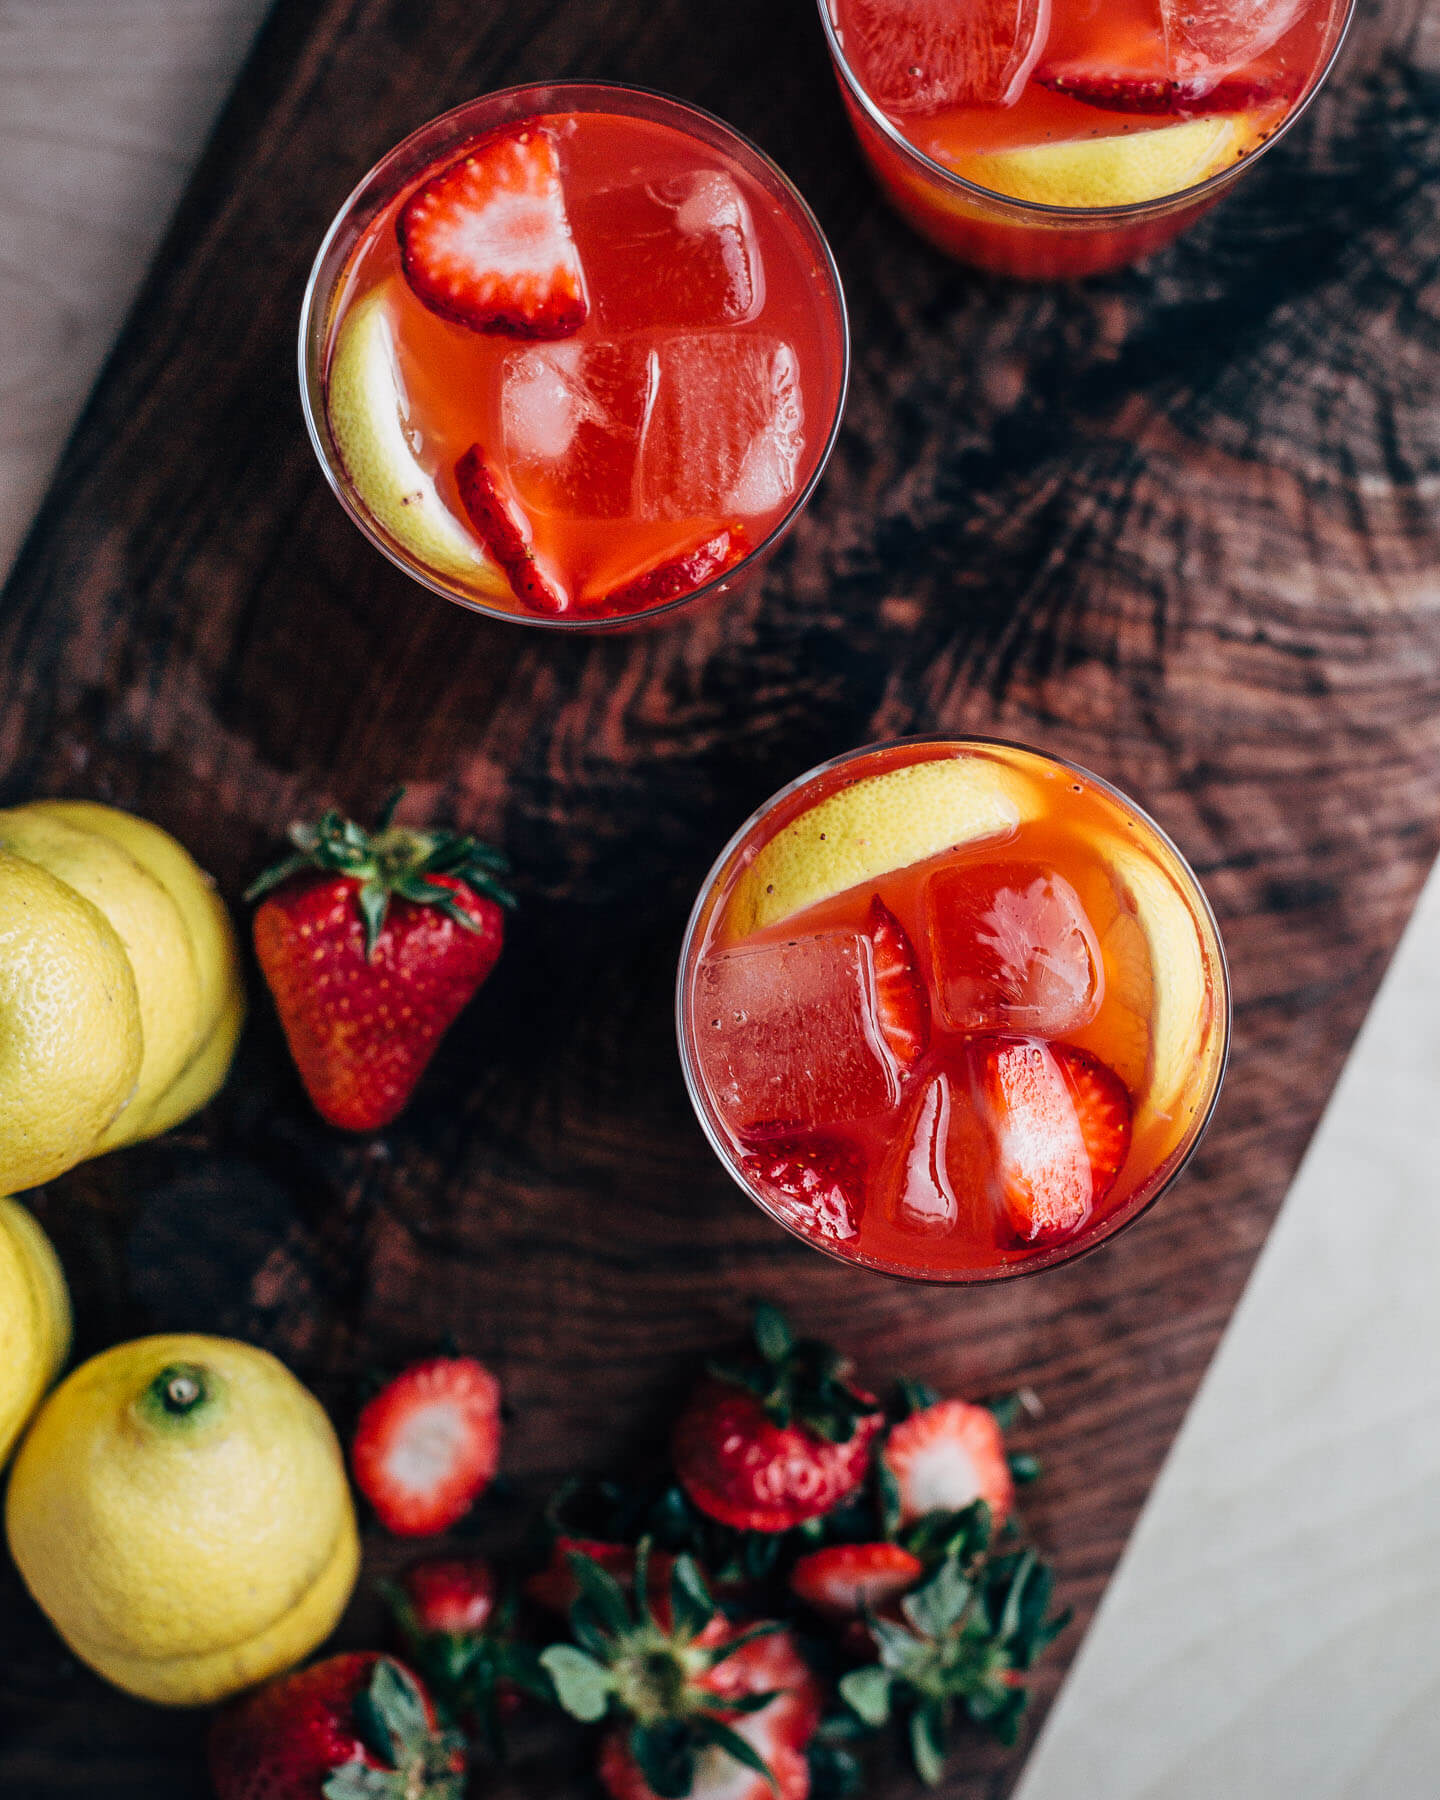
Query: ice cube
{"points": [[1214, 36], [918, 1192], [1012, 949], [787, 1033], [920, 56], [727, 429], [573, 417], [685, 253]]}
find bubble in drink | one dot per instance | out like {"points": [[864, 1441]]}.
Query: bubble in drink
{"points": [[727, 430], [918, 56], [1214, 36], [573, 416], [1012, 949], [788, 1035], [693, 237]]}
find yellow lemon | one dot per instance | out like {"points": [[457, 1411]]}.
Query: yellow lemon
{"points": [[212, 939], [880, 823], [150, 926], [70, 1034], [179, 1509], [1120, 170], [368, 408], [1155, 968], [34, 1319]]}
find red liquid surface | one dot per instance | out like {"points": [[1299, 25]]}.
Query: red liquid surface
{"points": [[1078, 69], [624, 443], [1062, 878]]}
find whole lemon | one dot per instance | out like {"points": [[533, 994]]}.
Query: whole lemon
{"points": [[212, 940], [70, 1037], [34, 1319], [153, 931], [179, 1509]]}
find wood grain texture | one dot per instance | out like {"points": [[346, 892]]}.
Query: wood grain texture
{"points": [[1179, 524]]}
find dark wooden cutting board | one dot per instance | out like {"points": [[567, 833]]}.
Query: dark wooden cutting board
{"points": [[1179, 524]]}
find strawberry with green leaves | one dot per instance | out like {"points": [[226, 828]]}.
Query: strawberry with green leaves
{"points": [[459, 1634], [777, 1438], [695, 1705], [358, 1727], [371, 944], [960, 1646]]}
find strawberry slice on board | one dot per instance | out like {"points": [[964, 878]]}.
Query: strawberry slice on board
{"points": [[899, 989], [1062, 1124], [487, 243], [506, 534], [682, 573], [947, 1456], [428, 1445], [842, 1581]]}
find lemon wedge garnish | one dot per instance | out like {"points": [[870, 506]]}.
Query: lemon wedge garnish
{"points": [[367, 408], [1121, 170], [1168, 985], [882, 823]]}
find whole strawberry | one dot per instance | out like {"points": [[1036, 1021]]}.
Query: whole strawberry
{"points": [[371, 943], [779, 1438], [357, 1727]]}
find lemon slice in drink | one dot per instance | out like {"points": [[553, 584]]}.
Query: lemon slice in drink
{"points": [[1120, 170], [1155, 969], [366, 407], [882, 823]]}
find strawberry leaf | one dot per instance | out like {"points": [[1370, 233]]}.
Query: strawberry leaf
{"points": [[690, 1600], [583, 1686], [927, 1743], [601, 1593], [665, 1752], [867, 1693]]}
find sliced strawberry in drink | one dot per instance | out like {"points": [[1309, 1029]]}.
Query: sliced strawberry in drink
{"points": [[487, 241], [682, 573], [919, 56], [505, 532], [844, 1580], [1148, 87], [1062, 1125], [904, 1010], [816, 1184]]}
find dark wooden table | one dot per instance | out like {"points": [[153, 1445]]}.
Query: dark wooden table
{"points": [[1180, 524]]}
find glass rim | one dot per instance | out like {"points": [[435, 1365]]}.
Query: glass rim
{"points": [[1059, 1255], [313, 344], [1132, 209]]}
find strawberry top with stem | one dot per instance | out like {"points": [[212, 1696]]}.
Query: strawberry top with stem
{"points": [[664, 1680], [391, 860]]}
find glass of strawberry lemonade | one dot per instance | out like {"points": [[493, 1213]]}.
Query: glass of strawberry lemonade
{"points": [[574, 355], [1060, 137], [952, 1009]]}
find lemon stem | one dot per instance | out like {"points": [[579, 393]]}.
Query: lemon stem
{"points": [[180, 1389]]}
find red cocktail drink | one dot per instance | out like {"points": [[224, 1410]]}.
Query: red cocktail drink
{"points": [[953, 1009], [1046, 138], [574, 355]]}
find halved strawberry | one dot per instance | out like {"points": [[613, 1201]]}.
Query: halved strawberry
{"points": [[677, 575], [946, 1456], [505, 532], [816, 1184], [1062, 1124], [1151, 88], [487, 241], [770, 1664], [427, 1446], [844, 1580], [903, 1005]]}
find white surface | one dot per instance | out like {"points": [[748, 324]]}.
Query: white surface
{"points": [[1273, 1629]]}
